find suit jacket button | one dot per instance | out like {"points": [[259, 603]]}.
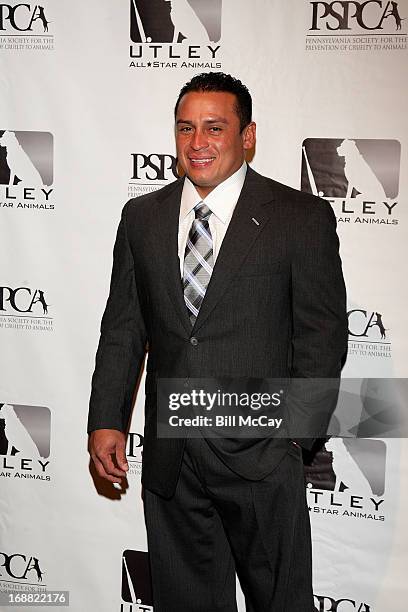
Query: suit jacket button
{"points": [[193, 341]]}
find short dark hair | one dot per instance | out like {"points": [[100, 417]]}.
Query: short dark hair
{"points": [[219, 81]]}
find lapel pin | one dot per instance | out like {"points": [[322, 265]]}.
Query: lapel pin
{"points": [[255, 221]]}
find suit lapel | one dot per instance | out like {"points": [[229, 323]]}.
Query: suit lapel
{"points": [[167, 223], [248, 220]]}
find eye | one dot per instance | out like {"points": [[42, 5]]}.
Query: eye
{"points": [[215, 129], [185, 129]]}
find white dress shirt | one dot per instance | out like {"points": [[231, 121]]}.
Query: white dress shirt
{"points": [[221, 201]]}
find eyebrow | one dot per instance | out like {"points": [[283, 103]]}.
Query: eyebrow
{"points": [[212, 120]]}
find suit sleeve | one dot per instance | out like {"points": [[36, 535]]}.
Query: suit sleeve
{"points": [[122, 343], [319, 340]]}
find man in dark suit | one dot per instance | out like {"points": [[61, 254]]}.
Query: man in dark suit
{"points": [[223, 273]]}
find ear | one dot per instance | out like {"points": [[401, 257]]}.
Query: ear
{"points": [[249, 135]]}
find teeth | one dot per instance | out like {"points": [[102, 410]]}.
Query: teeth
{"points": [[201, 161]]}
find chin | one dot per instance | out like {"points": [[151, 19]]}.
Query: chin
{"points": [[198, 179]]}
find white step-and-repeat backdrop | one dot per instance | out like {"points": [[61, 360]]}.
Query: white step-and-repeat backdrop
{"points": [[86, 111]]}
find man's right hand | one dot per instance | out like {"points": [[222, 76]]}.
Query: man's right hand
{"points": [[105, 444]]}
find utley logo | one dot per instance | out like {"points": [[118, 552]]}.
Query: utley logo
{"points": [[346, 15], [136, 582], [24, 442], [175, 33], [150, 171], [360, 178], [26, 170], [347, 478]]}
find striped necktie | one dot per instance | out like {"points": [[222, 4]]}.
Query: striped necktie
{"points": [[198, 261]]}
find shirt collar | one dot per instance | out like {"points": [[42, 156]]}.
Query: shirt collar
{"points": [[221, 200]]}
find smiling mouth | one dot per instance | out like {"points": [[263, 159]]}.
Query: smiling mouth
{"points": [[195, 161]]}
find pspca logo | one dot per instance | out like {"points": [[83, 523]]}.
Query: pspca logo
{"points": [[175, 33], [25, 442], [30, 26], [150, 171], [349, 25], [18, 569], [136, 582], [347, 15], [369, 333], [26, 170], [329, 604], [347, 478], [134, 452], [25, 308], [360, 178], [23, 18]]}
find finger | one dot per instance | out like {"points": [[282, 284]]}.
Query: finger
{"points": [[110, 468], [121, 458], [102, 472]]}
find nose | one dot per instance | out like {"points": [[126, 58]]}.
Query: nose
{"points": [[199, 140]]}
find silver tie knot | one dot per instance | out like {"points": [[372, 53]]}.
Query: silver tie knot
{"points": [[202, 211]]}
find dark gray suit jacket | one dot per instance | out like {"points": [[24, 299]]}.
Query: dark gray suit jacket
{"points": [[275, 308]]}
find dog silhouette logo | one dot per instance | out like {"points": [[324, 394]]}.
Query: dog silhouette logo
{"points": [[40, 298], [26, 157], [136, 580], [359, 169], [348, 467], [37, 569], [393, 12], [362, 323], [355, 465], [175, 21], [378, 322], [358, 173], [24, 431], [41, 16]]}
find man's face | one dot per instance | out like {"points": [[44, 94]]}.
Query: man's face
{"points": [[210, 146]]}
